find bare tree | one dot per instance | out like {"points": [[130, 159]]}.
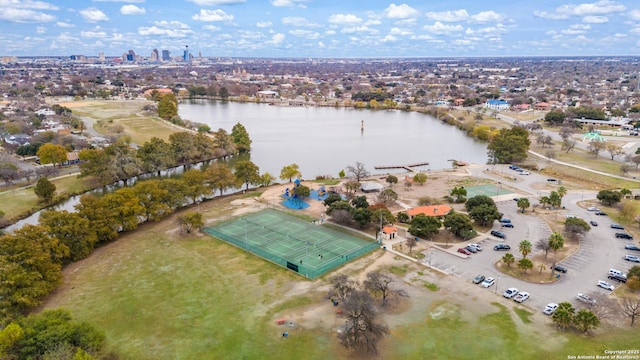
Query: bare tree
{"points": [[411, 242], [568, 144], [603, 306], [631, 308], [357, 171], [379, 283], [614, 150], [595, 146], [342, 287], [362, 331], [342, 217], [543, 245]]}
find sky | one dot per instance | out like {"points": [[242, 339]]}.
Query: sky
{"points": [[320, 28]]}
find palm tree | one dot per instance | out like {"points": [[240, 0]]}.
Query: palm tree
{"points": [[586, 320], [563, 317], [525, 247], [508, 259], [525, 264], [556, 242], [523, 203], [562, 191]]}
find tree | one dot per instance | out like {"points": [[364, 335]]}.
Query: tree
{"points": [[562, 191], [195, 184], [477, 201], [266, 179], [631, 308], [241, 138], [156, 155], [525, 247], [523, 203], [576, 226], [224, 143], [420, 178], [8, 172], [563, 316], [508, 259], [183, 146], [52, 154], [302, 191], [290, 171], [485, 214], [154, 198], [125, 207], [411, 243], [101, 216], [219, 176], [379, 283], [362, 331], [333, 197], [387, 197], [543, 245], [45, 189], [362, 216], [190, 221], [357, 171], [586, 320], [424, 226], [341, 287], [360, 202], [247, 173], [75, 232], [509, 146], [459, 194], [609, 197], [458, 224], [595, 146], [555, 117], [614, 150], [525, 264], [391, 179], [167, 106]]}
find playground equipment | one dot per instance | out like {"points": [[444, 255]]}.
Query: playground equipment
{"points": [[292, 200]]}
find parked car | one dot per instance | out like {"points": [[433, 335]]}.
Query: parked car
{"points": [[605, 285], [593, 223], [499, 234], [507, 225], [501, 247], [624, 236], [585, 299], [550, 308], [464, 251], [513, 167], [470, 249], [552, 179], [631, 247], [523, 172], [516, 199], [601, 213], [476, 246], [593, 208], [505, 221], [618, 278], [488, 282], [521, 297], [632, 258], [561, 269], [478, 279], [617, 226], [511, 292]]}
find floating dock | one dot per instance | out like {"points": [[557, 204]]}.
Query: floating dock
{"points": [[408, 167]]}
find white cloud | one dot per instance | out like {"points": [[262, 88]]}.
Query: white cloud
{"points": [[358, 29], [289, 3], [602, 7], [298, 21], [171, 24], [24, 16], [27, 4], [634, 15], [216, 2], [442, 29], [399, 31], [122, 1], [487, 16], [172, 33], [63, 24], [41, 30], [321, 45], [344, 19], [389, 38], [212, 15], [264, 24], [277, 38], [576, 29], [403, 11], [307, 34], [93, 34], [93, 15], [211, 28], [448, 16], [132, 10], [592, 19]]}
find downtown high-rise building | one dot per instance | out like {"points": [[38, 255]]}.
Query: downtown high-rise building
{"points": [[166, 55], [155, 56]]}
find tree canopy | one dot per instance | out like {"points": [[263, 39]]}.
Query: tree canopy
{"points": [[509, 145], [241, 138]]}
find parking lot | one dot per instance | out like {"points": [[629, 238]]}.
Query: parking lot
{"points": [[599, 251]]}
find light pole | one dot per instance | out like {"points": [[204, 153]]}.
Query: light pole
{"points": [[497, 282]]}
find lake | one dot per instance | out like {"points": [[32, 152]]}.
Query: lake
{"points": [[323, 141]]}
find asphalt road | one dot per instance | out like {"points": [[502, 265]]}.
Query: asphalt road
{"points": [[599, 249]]}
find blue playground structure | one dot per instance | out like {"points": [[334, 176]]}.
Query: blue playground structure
{"points": [[291, 200]]}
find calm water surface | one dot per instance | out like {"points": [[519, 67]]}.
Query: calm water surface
{"points": [[323, 141]]}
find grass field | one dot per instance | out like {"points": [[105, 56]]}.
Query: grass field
{"points": [[161, 295]]}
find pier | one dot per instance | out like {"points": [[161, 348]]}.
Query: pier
{"points": [[408, 167]]}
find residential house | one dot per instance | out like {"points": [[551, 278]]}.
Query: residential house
{"points": [[430, 210]]}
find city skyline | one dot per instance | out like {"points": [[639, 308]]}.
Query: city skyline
{"points": [[320, 28]]}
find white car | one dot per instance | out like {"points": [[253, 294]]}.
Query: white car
{"points": [[586, 299], [522, 296], [511, 292], [476, 246], [593, 208], [550, 308], [488, 282], [605, 285], [524, 173]]}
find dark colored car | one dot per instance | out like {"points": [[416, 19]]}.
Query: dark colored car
{"points": [[471, 249], [499, 234], [561, 269], [505, 221], [502, 247], [551, 179], [464, 251], [601, 213], [478, 279], [624, 236], [507, 225], [593, 223], [631, 247], [617, 226], [622, 279]]}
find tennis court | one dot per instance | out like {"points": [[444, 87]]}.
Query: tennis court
{"points": [[488, 190], [306, 248]]}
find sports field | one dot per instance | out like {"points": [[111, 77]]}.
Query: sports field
{"points": [[309, 249], [488, 190]]}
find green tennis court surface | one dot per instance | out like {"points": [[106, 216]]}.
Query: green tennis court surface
{"points": [[308, 249], [488, 190]]}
